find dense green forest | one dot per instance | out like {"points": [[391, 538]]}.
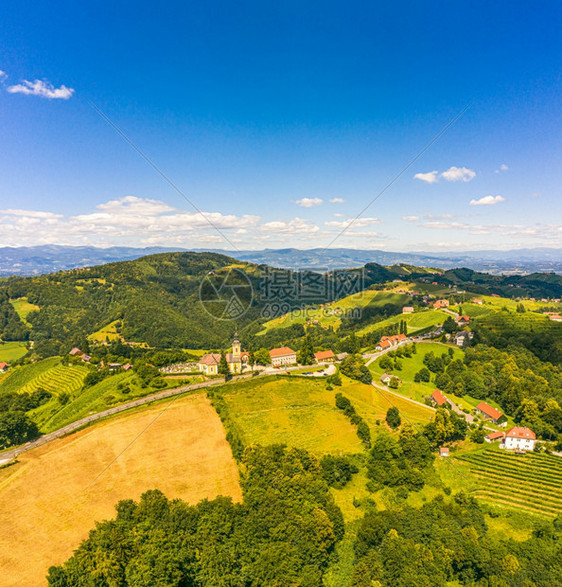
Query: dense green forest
{"points": [[286, 530], [283, 533]]}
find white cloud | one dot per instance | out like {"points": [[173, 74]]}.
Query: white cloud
{"points": [[410, 218], [309, 202], [41, 88], [29, 213], [429, 177], [359, 223], [535, 195], [3, 75], [503, 167], [458, 174], [337, 201], [338, 215], [295, 225], [487, 201]]}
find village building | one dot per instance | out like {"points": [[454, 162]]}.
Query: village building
{"points": [[237, 360], [462, 320], [407, 310], [283, 356], [438, 398], [490, 413], [75, 351], [497, 435], [325, 356], [3, 367], [441, 304], [390, 341], [477, 301], [462, 337], [519, 438], [443, 451]]}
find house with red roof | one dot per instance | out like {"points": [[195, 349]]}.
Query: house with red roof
{"points": [[283, 356], [4, 367], [325, 356], [519, 438], [438, 398], [441, 304], [75, 351], [490, 413], [497, 435]]}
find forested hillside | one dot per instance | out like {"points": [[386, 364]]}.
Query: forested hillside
{"points": [[156, 299]]}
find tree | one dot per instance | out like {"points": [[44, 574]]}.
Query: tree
{"points": [[393, 418], [354, 367], [16, 428], [449, 326], [262, 357], [386, 363], [251, 357], [422, 375], [223, 366], [305, 355]]}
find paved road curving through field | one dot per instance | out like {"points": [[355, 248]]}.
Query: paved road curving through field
{"points": [[9, 455]]}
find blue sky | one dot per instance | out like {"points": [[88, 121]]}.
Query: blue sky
{"points": [[281, 122]]}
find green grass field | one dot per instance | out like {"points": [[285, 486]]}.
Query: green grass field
{"points": [[301, 412], [530, 482], [108, 332], [411, 366], [416, 322], [23, 308], [11, 351]]}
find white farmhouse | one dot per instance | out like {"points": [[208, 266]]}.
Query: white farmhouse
{"points": [[519, 438]]}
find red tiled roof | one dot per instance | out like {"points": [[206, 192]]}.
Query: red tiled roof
{"points": [[384, 344], [323, 355], [401, 336], [494, 435], [3, 365], [520, 432], [281, 352], [75, 351], [439, 398], [489, 411], [210, 359]]}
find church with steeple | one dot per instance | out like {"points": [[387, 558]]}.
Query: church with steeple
{"points": [[237, 360]]}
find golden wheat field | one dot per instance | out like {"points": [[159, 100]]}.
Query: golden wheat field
{"points": [[51, 498]]}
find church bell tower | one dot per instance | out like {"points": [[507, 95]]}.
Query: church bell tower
{"points": [[236, 349]]}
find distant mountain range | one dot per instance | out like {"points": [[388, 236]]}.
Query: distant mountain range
{"points": [[50, 258]]}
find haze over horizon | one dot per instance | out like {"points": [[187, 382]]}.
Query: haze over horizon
{"points": [[281, 123]]}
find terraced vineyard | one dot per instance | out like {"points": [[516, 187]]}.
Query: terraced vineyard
{"points": [[58, 379], [531, 482], [48, 374]]}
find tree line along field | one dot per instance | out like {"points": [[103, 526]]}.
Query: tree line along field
{"points": [[50, 499], [299, 411], [530, 482]]}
